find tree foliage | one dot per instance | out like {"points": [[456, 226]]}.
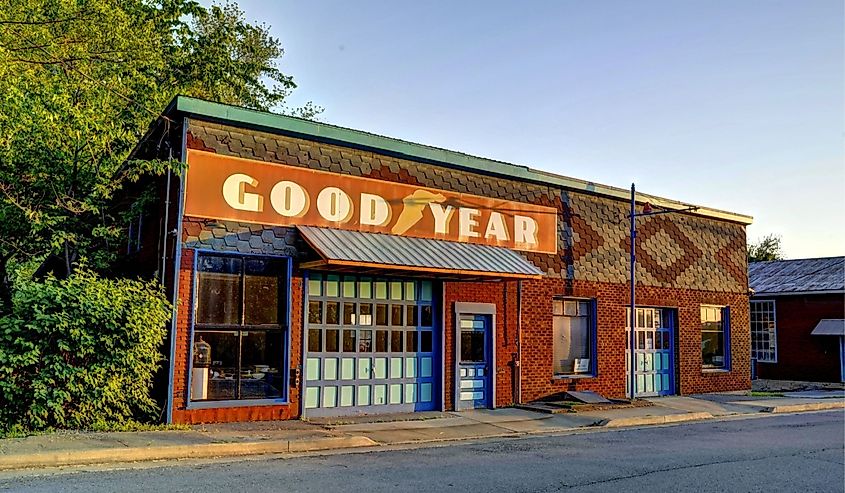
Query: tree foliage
{"points": [[767, 248], [80, 352], [80, 81]]}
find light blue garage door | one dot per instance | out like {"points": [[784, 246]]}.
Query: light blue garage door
{"points": [[372, 345]]}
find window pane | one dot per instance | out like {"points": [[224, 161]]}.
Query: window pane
{"points": [[315, 285], [218, 298], [332, 313], [315, 340], [712, 348], [349, 341], [349, 314], [472, 346], [223, 369], [571, 341], [426, 341], [261, 361], [411, 315], [366, 316], [411, 341], [381, 290], [396, 341], [315, 312], [220, 265], [365, 288], [221, 378], [395, 290], [332, 340], [348, 287], [425, 291], [381, 314], [425, 316], [332, 285], [261, 299], [365, 341], [381, 341], [395, 315], [410, 291]]}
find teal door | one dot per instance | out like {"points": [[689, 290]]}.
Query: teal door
{"points": [[655, 372], [475, 354]]}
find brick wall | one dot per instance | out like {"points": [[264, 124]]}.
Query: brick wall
{"points": [[538, 379], [802, 356]]}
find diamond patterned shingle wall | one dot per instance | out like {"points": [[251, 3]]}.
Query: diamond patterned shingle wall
{"points": [[683, 251]]}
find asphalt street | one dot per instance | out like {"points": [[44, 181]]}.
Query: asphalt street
{"points": [[802, 452]]}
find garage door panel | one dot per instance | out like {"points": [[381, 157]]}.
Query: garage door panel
{"points": [[372, 346]]}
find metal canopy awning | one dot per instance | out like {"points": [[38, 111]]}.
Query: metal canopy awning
{"points": [[356, 251], [829, 327]]}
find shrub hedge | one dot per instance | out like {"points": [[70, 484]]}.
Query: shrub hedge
{"points": [[80, 353]]}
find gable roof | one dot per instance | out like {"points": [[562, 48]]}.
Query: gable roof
{"points": [[801, 276], [311, 130]]}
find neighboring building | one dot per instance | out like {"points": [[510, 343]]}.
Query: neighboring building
{"points": [[322, 271], [798, 319]]}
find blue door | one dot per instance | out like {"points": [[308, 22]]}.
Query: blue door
{"points": [[654, 351], [475, 346]]}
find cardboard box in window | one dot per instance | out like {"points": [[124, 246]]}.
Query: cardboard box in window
{"points": [[582, 365]]}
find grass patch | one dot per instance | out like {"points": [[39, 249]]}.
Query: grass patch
{"points": [[761, 393], [130, 426]]}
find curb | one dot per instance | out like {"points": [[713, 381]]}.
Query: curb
{"points": [[654, 420], [197, 451], [796, 408]]}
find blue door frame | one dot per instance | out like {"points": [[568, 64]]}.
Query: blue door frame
{"points": [[475, 361]]}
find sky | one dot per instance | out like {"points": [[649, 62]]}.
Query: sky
{"points": [[735, 105]]}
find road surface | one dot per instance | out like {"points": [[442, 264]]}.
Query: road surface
{"points": [[802, 452]]}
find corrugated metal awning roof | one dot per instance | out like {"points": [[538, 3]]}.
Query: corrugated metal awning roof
{"points": [[829, 327], [358, 249]]}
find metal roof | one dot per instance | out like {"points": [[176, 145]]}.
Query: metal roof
{"points": [[375, 250], [302, 128], [802, 276], [829, 327]]}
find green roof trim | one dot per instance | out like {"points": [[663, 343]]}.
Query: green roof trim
{"points": [[200, 109]]}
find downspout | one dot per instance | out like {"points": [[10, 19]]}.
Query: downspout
{"points": [[176, 264], [519, 342], [165, 227]]}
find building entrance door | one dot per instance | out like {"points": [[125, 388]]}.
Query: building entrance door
{"points": [[475, 355], [655, 349]]}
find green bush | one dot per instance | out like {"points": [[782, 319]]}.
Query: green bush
{"points": [[80, 353]]}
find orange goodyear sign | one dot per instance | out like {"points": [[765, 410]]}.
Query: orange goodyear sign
{"points": [[224, 187]]}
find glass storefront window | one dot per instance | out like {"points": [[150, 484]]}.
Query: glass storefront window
{"points": [[241, 326]]}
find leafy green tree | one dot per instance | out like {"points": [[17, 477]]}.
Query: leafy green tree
{"points": [[80, 81], [767, 248]]}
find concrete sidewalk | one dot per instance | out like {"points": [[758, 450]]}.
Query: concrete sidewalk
{"points": [[281, 437]]}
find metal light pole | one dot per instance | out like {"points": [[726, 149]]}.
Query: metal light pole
{"points": [[632, 340]]}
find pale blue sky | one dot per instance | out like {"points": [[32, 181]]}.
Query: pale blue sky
{"points": [[736, 105]]}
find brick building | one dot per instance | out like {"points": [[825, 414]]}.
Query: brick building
{"points": [[798, 319], [319, 270]]}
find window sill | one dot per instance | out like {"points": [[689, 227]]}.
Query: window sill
{"points": [[574, 376], [715, 370], [240, 403]]}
